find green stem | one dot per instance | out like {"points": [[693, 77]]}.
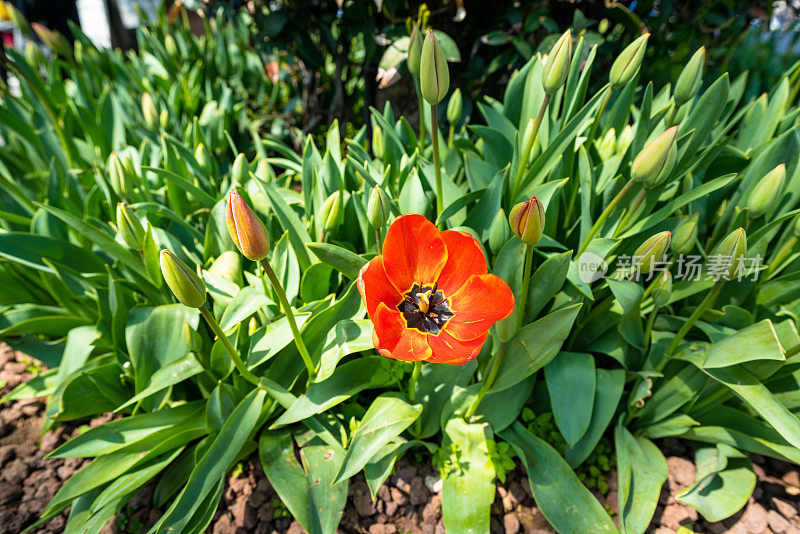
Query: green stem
{"points": [[526, 282], [412, 384], [488, 381], [237, 360], [603, 216], [599, 116], [378, 240], [649, 328], [526, 150], [287, 309], [436, 165], [421, 104], [450, 136], [626, 219], [706, 304]]}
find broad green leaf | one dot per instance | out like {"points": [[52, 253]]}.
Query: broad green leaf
{"points": [[608, 392], [570, 378], [246, 303], [347, 337], [221, 403], [641, 471], [435, 387], [29, 250], [546, 281], [269, 340], [380, 466], [290, 222], [167, 376], [756, 342], [346, 262]]}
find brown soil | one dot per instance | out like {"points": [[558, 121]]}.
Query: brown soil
{"points": [[410, 501]]}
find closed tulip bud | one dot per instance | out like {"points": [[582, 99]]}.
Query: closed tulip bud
{"points": [[191, 338], [240, 170], [628, 62], [331, 214], [118, 177], [228, 265], [377, 142], [247, 231], [53, 40], [606, 145], [204, 158], [690, 78], [662, 289], [655, 162], [499, 232], [685, 235], [434, 75], [731, 251], [378, 211], [170, 46], [150, 112], [556, 67], [625, 139], [184, 283], [33, 55], [454, 107], [414, 51], [129, 228], [163, 118], [767, 191], [252, 327], [527, 221], [527, 141], [652, 251], [264, 171]]}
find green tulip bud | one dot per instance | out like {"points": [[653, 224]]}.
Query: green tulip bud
{"points": [[685, 235], [34, 55], [264, 171], [191, 338], [434, 75], [240, 170], [377, 142], [170, 46], [655, 162], [499, 232], [625, 139], [150, 112], [527, 221], [129, 228], [378, 211], [454, 107], [53, 40], [118, 177], [187, 287], [414, 51], [527, 142], [331, 214], [628, 62], [163, 118], [652, 251], [228, 265], [662, 289], [606, 145], [691, 78], [767, 192], [247, 231], [556, 67], [731, 250], [204, 159]]}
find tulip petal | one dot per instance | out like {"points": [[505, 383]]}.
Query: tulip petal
{"points": [[375, 287], [413, 252], [482, 301], [447, 349], [393, 340], [464, 258]]}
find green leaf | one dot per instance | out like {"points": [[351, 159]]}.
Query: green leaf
{"points": [[570, 378], [553, 484], [347, 337], [546, 282], [290, 222], [346, 262], [246, 303], [170, 374], [435, 387], [641, 471], [30, 249], [220, 405], [756, 342], [386, 418], [380, 466], [269, 340], [608, 392]]}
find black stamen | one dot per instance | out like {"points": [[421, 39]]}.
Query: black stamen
{"points": [[437, 315]]}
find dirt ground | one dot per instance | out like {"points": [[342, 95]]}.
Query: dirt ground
{"points": [[410, 501]]}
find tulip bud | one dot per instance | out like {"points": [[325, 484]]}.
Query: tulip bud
{"points": [[377, 142], [330, 215], [414, 51], [767, 191], [652, 251], [184, 283], [191, 338], [434, 76], [655, 162], [628, 62], [685, 235], [204, 159], [662, 289], [240, 170], [731, 250], [170, 46], [264, 171], [556, 67], [498, 232], [247, 231], [606, 145], [454, 107], [252, 327], [378, 211], [33, 55], [527, 221], [527, 142], [150, 112], [54, 40], [163, 118], [625, 139], [690, 78], [118, 177], [228, 265], [129, 228]]}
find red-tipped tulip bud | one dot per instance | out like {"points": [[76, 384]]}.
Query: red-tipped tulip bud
{"points": [[767, 191], [655, 162], [685, 235], [652, 251], [691, 77], [556, 67], [247, 231], [628, 62], [150, 112], [731, 251], [662, 289], [414, 51], [527, 221], [434, 75], [378, 211], [129, 228], [184, 283]]}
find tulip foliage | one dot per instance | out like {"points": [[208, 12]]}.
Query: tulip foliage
{"points": [[623, 263]]}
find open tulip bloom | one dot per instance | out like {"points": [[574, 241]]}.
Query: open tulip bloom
{"points": [[429, 294]]}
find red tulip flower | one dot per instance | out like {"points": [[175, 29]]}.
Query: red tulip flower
{"points": [[429, 295]]}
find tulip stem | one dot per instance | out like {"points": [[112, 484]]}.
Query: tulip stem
{"points": [[287, 309], [526, 282], [526, 150], [237, 360], [711, 297], [627, 217], [421, 104], [412, 384], [603, 216], [488, 382], [649, 328], [378, 240], [436, 165], [602, 109]]}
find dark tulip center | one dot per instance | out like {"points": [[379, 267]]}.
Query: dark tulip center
{"points": [[425, 308]]}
